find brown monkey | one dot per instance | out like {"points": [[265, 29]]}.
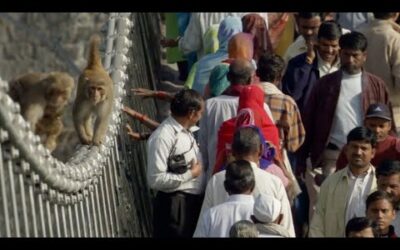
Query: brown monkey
{"points": [[94, 98], [42, 98]]}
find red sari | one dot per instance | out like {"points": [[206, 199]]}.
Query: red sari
{"points": [[250, 112]]}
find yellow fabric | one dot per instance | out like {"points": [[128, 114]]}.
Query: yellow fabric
{"points": [[287, 37]]}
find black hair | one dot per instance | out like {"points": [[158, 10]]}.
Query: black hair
{"points": [[270, 67], [354, 41], [239, 177], [246, 140], [384, 15], [358, 224], [186, 101], [379, 195], [309, 15], [329, 30], [362, 134], [388, 168]]}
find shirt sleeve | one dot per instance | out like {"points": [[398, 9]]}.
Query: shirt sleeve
{"points": [[287, 220], [157, 176]]}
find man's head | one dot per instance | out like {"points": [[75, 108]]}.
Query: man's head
{"points": [[388, 178], [267, 209], [247, 144], [270, 68], [328, 41], [189, 104], [353, 53], [240, 72], [239, 178], [386, 15], [243, 229], [378, 120], [360, 147], [308, 23], [359, 227], [380, 209]]}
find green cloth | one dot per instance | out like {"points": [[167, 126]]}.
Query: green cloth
{"points": [[172, 31]]}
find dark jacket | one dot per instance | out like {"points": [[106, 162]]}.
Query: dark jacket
{"points": [[320, 110], [299, 79]]}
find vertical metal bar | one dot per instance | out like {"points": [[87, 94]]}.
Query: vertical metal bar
{"points": [[64, 221], [83, 219], [55, 208], [41, 211], [95, 214], [108, 199], [33, 211], [13, 197], [78, 228], [104, 205], [99, 208], [71, 223], [86, 199], [49, 222], [113, 191], [24, 202], [4, 197]]}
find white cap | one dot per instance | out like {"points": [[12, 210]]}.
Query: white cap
{"points": [[266, 208]]}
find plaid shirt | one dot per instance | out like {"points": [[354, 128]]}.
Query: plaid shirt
{"points": [[286, 115]]}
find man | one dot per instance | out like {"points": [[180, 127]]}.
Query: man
{"points": [[379, 121], [388, 180], [380, 209], [247, 146], [239, 184], [222, 108], [343, 193], [336, 105], [306, 68], [308, 25], [384, 55], [360, 227], [267, 216], [174, 169]]}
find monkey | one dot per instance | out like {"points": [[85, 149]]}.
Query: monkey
{"points": [[42, 98], [94, 99], [50, 128]]}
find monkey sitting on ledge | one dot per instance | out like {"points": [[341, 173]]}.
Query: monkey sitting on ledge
{"points": [[94, 99], [42, 98]]}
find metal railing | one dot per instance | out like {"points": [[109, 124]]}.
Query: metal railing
{"points": [[100, 191]]}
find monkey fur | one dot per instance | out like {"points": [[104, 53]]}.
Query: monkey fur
{"points": [[42, 98], [94, 99]]}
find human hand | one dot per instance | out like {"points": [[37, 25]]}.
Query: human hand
{"points": [[145, 93], [195, 168], [134, 135]]}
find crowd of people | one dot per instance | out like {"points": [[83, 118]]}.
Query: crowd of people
{"points": [[286, 126]]}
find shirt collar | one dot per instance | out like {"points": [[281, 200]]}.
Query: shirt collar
{"points": [[347, 174], [241, 197], [321, 62], [178, 127]]}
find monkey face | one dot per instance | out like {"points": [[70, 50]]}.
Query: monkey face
{"points": [[96, 93]]}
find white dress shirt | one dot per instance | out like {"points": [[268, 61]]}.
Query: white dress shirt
{"points": [[218, 220], [159, 147], [359, 189], [325, 68], [265, 183]]}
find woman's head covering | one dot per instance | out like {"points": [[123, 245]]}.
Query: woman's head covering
{"points": [[241, 46], [254, 24], [218, 80]]}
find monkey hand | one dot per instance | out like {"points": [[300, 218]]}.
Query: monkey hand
{"points": [[145, 93]]}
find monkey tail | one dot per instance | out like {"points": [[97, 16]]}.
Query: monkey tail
{"points": [[94, 60]]}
